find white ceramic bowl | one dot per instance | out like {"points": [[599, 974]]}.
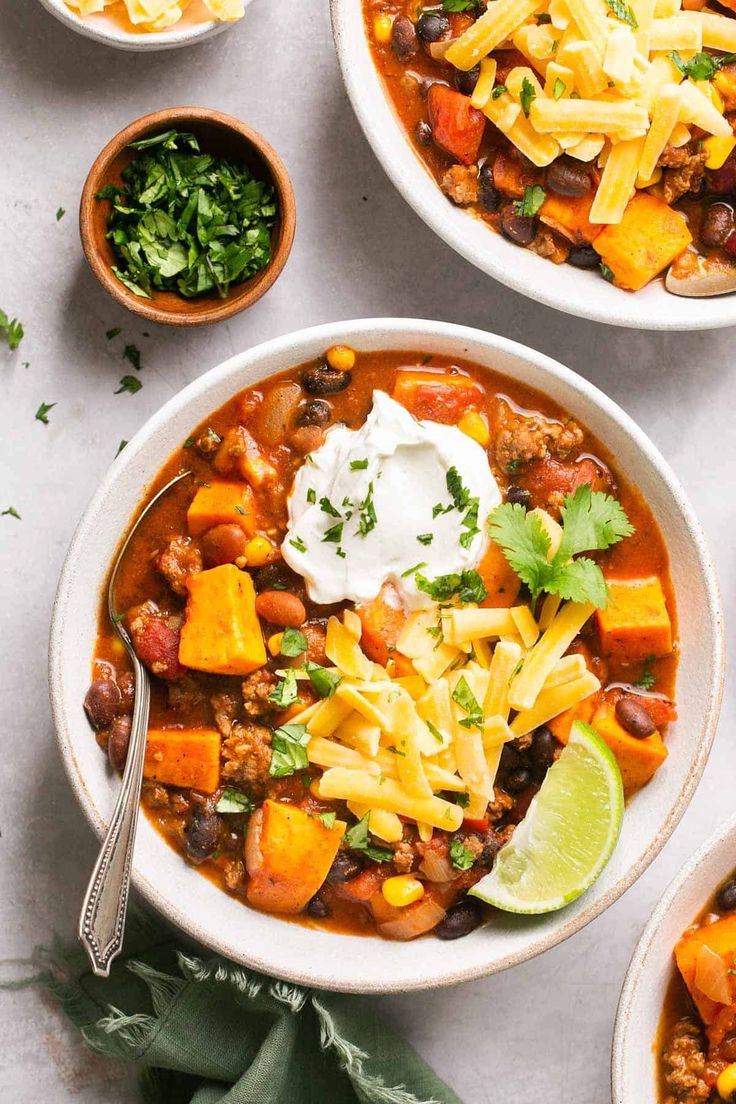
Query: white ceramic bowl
{"points": [[583, 294], [104, 28], [634, 1058], [349, 962]]}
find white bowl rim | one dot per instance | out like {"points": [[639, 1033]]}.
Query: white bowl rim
{"points": [[406, 333], [122, 40], [652, 308], [640, 958]]}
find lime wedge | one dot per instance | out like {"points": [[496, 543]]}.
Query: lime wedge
{"points": [[567, 835]]}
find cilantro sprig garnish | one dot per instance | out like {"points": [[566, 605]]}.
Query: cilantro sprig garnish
{"points": [[461, 856], [234, 801], [527, 95], [188, 221], [466, 699], [591, 521]]}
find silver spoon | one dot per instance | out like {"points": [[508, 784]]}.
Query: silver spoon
{"points": [[704, 281], [105, 904]]}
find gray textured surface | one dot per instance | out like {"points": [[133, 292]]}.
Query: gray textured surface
{"points": [[542, 1031]]}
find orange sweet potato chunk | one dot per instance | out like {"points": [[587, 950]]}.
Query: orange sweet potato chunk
{"points": [[289, 853], [382, 621], [635, 624], [219, 504], [569, 215], [221, 633], [638, 760], [647, 239], [187, 757], [499, 578], [720, 938]]}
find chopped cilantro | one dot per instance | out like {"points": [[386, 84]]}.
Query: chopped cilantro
{"points": [[498, 91], [458, 492], [558, 89], [701, 66], [121, 446], [425, 538], [358, 465], [591, 521], [293, 643], [288, 750], [233, 801], [412, 570], [461, 856], [333, 535], [647, 678], [357, 840], [326, 506], [11, 512], [11, 330], [623, 12], [113, 333], [368, 517], [323, 680], [311, 495], [42, 414], [467, 586], [606, 272], [131, 384], [299, 544], [286, 692], [466, 699], [527, 95], [470, 523], [60, 214], [133, 354], [440, 509], [531, 202], [328, 819], [435, 732]]}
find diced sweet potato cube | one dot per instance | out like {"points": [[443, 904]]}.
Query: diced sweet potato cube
{"points": [[569, 215], [635, 624], [187, 757], [219, 504], [648, 238], [382, 621], [637, 759], [240, 452], [289, 853], [560, 725], [720, 938], [221, 632], [500, 579]]}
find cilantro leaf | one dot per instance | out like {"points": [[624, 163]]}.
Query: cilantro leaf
{"points": [[466, 699], [458, 492], [121, 446], [11, 330], [293, 643], [357, 839], [527, 95], [133, 354], [130, 384], [288, 750], [60, 214], [701, 66], [326, 506], [460, 5], [233, 801], [592, 521], [42, 414], [461, 856], [328, 819], [466, 586], [498, 91], [323, 680], [333, 535], [110, 334], [531, 202], [286, 692], [647, 678], [622, 12], [11, 512], [359, 465], [558, 89]]}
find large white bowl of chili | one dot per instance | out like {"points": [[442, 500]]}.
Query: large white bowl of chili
{"points": [[576, 291], [348, 962]]}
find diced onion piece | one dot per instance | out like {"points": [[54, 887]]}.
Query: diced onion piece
{"points": [[436, 866], [413, 921], [711, 976]]}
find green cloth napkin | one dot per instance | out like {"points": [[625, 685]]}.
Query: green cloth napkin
{"points": [[207, 1031]]}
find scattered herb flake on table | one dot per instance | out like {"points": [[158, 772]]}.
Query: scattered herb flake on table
{"points": [[129, 384], [133, 354], [11, 330], [187, 221], [42, 414], [11, 512], [60, 214]]}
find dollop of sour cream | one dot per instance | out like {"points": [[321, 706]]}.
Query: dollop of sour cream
{"points": [[386, 502]]}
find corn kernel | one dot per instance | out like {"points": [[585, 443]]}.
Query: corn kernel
{"points": [[258, 552], [474, 425], [382, 26], [402, 890], [718, 149], [726, 1083], [341, 357], [274, 643]]}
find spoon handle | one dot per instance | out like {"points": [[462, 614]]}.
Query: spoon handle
{"points": [[102, 921]]}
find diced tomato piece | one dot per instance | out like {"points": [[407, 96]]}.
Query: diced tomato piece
{"points": [[437, 396], [457, 126], [661, 710], [545, 478], [363, 887], [383, 620], [156, 643], [460, 22], [476, 825]]}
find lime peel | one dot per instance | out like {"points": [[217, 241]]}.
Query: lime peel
{"points": [[568, 834]]}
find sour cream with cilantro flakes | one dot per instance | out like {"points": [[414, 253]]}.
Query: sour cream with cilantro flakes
{"points": [[386, 502]]}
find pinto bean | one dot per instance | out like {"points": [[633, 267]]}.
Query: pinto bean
{"points": [[717, 225], [278, 607], [633, 716], [118, 740], [223, 544], [323, 380], [101, 702], [314, 412]]}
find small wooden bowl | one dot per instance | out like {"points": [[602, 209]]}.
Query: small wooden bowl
{"points": [[219, 134]]}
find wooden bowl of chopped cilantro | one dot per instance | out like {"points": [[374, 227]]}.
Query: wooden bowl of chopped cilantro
{"points": [[187, 217]]}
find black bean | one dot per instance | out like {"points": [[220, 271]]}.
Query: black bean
{"points": [[583, 256], [541, 752], [519, 496], [345, 867], [101, 702], [118, 740], [568, 177], [323, 380], [314, 412], [404, 38], [517, 228], [632, 716], [318, 908], [466, 80], [490, 197], [510, 759], [726, 899], [517, 780], [202, 834], [717, 225], [492, 844], [433, 26], [423, 133], [461, 919]]}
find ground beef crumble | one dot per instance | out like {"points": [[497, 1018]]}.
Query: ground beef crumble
{"points": [[403, 856], [460, 184], [525, 437], [684, 1065], [256, 687], [178, 562], [246, 755], [225, 709], [684, 170]]}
